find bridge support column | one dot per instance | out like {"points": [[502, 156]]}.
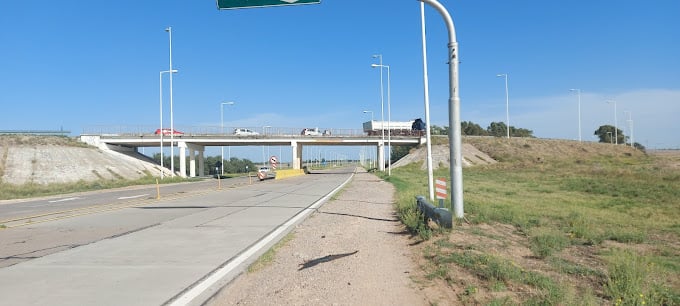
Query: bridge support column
{"points": [[192, 160], [182, 146], [381, 156], [201, 162], [297, 155]]}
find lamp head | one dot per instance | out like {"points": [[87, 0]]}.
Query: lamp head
{"points": [[500, 75], [168, 29], [376, 55], [174, 71], [375, 65]]}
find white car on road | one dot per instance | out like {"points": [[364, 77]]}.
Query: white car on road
{"points": [[245, 132], [311, 132]]}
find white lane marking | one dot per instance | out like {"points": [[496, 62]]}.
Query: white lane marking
{"points": [[64, 200], [133, 197], [217, 275]]}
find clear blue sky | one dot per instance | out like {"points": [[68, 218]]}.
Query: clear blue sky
{"points": [[82, 64]]}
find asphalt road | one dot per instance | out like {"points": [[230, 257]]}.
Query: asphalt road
{"points": [[128, 248]]}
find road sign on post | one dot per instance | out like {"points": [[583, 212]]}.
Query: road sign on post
{"points": [[235, 4], [273, 161]]}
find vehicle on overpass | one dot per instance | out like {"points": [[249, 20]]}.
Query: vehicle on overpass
{"points": [[414, 127], [245, 132], [311, 132], [167, 132]]}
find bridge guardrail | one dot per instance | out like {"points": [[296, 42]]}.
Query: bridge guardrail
{"points": [[440, 215]]}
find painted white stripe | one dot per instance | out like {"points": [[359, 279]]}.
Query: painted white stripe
{"points": [[64, 200], [133, 197], [216, 276]]}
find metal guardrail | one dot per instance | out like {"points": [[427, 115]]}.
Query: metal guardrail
{"points": [[34, 132], [440, 215], [138, 130]]}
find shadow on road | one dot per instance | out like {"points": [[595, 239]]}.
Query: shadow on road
{"points": [[327, 258]]}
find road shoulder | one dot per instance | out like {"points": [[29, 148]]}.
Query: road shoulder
{"points": [[353, 250]]}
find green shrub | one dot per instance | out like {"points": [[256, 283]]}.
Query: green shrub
{"points": [[545, 244]]}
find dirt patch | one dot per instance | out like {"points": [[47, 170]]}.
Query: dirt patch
{"points": [[352, 251]]}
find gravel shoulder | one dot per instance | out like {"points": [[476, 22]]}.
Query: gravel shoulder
{"points": [[352, 251]]}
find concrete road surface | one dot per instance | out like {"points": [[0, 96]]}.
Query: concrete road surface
{"points": [[176, 251]]}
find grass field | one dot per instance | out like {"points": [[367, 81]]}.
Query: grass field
{"points": [[555, 222]]}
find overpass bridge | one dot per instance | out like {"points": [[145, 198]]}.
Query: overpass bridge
{"points": [[195, 143]]}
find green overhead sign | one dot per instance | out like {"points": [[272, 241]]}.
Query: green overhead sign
{"points": [[235, 4]]}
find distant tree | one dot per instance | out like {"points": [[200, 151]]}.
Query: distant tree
{"points": [[498, 129], [607, 133], [518, 132], [400, 151], [472, 129], [439, 130], [639, 146]]}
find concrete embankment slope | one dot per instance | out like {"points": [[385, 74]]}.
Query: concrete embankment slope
{"points": [[53, 159]]}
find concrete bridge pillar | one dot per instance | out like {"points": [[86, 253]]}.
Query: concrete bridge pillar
{"points": [[192, 160], [297, 155], [381, 155], [182, 146], [201, 162]]}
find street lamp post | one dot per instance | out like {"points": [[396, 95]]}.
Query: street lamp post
{"points": [[368, 111], [264, 158], [578, 91], [507, 104], [630, 127], [455, 143], [222, 131], [172, 123], [389, 119], [160, 97], [382, 101], [426, 94], [616, 128]]}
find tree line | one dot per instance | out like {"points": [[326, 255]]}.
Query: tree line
{"points": [[212, 164], [496, 129]]}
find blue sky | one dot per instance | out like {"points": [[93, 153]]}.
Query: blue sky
{"points": [[86, 64]]}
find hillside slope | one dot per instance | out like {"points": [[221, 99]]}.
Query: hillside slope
{"points": [[51, 159], [490, 150]]}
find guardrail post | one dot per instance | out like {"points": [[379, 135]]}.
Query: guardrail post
{"points": [[440, 215]]}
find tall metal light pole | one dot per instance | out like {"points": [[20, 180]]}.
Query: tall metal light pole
{"points": [[507, 104], [426, 90], [172, 123], [630, 127], [382, 101], [264, 132], [160, 95], [616, 128], [455, 144], [222, 130], [368, 111], [389, 119], [578, 91]]}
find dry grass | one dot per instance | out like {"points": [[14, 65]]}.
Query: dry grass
{"points": [[556, 222]]}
